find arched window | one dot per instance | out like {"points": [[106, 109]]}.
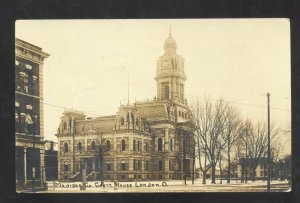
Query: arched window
{"points": [[171, 144], [122, 121], [79, 146], [133, 144], [66, 147], [93, 145], [123, 145], [166, 92], [108, 145], [159, 144]]}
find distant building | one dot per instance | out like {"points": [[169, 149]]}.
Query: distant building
{"points": [[29, 130], [245, 165], [146, 140], [200, 174], [51, 161]]}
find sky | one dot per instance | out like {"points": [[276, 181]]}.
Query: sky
{"points": [[90, 61]]}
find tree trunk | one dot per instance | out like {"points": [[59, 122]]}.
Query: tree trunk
{"points": [[246, 175], [193, 173], [204, 177], [253, 174], [243, 173], [221, 173], [213, 174], [229, 167]]}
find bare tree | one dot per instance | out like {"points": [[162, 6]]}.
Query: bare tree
{"points": [[202, 125], [242, 148], [258, 143], [209, 120], [232, 133]]}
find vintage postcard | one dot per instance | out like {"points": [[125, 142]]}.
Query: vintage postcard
{"points": [[161, 105]]}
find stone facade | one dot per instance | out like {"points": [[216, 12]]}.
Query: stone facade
{"points": [[29, 130], [147, 140]]}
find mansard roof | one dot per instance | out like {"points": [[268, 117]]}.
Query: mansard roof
{"points": [[152, 110], [104, 123]]}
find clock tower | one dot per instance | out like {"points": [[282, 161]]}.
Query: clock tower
{"points": [[170, 76]]}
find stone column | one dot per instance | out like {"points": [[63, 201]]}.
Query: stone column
{"points": [[25, 165]]}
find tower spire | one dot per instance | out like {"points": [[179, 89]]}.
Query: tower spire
{"points": [[170, 30]]}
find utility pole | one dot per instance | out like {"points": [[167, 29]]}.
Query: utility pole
{"points": [[269, 147]]}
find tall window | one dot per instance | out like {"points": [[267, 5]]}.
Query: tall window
{"points": [[123, 145], [122, 121], [166, 91], [171, 144], [159, 144], [108, 145], [108, 167], [181, 91], [66, 148], [134, 164], [66, 167], [139, 165], [171, 166], [133, 144], [79, 146], [160, 165], [146, 165], [138, 145], [132, 119], [65, 125], [123, 166], [93, 145], [147, 146]]}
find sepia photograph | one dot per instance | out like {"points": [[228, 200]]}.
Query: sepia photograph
{"points": [[156, 105]]}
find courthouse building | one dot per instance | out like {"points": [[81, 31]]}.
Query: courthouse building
{"points": [[146, 140], [29, 114]]}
